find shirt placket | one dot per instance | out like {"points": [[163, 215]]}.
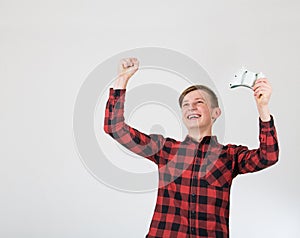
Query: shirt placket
{"points": [[193, 193]]}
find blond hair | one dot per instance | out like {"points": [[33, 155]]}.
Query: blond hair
{"points": [[211, 93]]}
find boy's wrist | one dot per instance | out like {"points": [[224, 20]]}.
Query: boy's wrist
{"points": [[120, 83], [264, 113]]}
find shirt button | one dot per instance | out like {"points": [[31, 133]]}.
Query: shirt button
{"points": [[193, 197], [193, 230], [193, 214]]}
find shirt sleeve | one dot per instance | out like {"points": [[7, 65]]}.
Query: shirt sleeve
{"points": [[247, 161], [148, 146]]}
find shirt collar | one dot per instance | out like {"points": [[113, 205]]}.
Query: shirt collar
{"points": [[205, 140]]}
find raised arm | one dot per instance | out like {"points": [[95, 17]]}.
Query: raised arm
{"points": [[148, 146], [268, 151]]}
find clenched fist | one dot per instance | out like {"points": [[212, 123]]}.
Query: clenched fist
{"points": [[262, 93], [128, 67]]}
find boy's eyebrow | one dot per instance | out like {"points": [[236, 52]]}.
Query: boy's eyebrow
{"points": [[194, 99]]}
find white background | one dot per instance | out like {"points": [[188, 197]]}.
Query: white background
{"points": [[47, 49]]}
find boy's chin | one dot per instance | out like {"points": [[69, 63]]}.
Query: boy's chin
{"points": [[194, 127]]}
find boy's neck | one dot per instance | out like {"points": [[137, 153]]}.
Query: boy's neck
{"points": [[198, 134]]}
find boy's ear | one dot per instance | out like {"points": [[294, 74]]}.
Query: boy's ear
{"points": [[216, 113]]}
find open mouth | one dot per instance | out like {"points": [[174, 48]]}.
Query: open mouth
{"points": [[193, 116]]}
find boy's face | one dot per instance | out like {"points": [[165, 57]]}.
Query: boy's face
{"points": [[196, 110]]}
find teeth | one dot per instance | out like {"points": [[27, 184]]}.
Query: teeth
{"points": [[193, 116]]}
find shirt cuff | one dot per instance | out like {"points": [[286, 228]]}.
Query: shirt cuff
{"points": [[266, 124], [116, 92]]}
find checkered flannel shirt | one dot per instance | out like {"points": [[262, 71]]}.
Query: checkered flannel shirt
{"points": [[194, 178]]}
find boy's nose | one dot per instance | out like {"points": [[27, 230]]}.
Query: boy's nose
{"points": [[192, 106]]}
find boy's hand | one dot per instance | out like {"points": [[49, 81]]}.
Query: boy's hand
{"points": [[128, 67], [262, 93]]}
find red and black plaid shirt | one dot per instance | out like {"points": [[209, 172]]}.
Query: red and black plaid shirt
{"points": [[194, 178]]}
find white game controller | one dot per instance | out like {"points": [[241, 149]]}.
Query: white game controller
{"points": [[245, 78]]}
